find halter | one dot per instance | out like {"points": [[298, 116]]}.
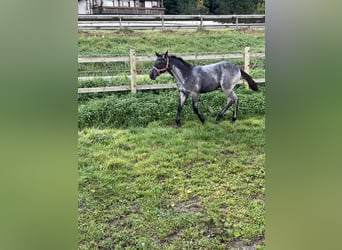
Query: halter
{"points": [[163, 69]]}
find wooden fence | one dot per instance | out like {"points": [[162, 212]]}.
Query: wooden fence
{"points": [[160, 22], [133, 59]]}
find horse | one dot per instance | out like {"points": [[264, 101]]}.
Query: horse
{"points": [[194, 80]]}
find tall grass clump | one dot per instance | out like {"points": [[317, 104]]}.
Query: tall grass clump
{"points": [[122, 110]]}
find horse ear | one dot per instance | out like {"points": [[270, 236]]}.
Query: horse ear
{"points": [[157, 54], [166, 54]]}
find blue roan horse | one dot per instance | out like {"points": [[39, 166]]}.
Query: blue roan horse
{"points": [[193, 80]]}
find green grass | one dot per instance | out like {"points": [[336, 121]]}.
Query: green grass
{"points": [[146, 42], [158, 187], [122, 110], [114, 43]]}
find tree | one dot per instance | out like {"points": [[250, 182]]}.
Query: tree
{"points": [[229, 7], [223, 7], [171, 7], [187, 7], [260, 8]]}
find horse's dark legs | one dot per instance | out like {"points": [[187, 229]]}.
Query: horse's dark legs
{"points": [[236, 107], [182, 99], [195, 107], [223, 110], [231, 99]]}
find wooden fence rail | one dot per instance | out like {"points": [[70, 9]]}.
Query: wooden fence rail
{"points": [[168, 21], [167, 17], [133, 59]]}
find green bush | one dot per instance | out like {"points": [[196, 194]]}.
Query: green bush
{"points": [[131, 110]]}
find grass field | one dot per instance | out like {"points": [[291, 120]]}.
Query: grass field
{"points": [[111, 43], [118, 43], [158, 187], [145, 184]]}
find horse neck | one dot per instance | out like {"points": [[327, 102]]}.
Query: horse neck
{"points": [[178, 69]]}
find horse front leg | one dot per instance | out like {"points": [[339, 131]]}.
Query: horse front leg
{"points": [[182, 99], [195, 107]]}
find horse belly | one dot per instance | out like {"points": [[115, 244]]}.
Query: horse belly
{"points": [[209, 78], [209, 87], [209, 83]]}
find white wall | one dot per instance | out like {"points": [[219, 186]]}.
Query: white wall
{"points": [[107, 2], [148, 4], [82, 7]]}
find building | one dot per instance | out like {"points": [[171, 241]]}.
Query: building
{"points": [[121, 7]]}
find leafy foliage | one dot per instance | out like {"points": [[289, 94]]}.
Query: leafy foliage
{"points": [[214, 6], [127, 110]]}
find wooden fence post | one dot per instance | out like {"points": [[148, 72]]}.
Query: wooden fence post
{"points": [[247, 62], [133, 67]]}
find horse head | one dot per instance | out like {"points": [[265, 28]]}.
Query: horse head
{"points": [[161, 65]]}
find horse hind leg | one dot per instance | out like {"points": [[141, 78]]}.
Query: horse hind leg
{"points": [[232, 99], [235, 105], [223, 110], [195, 107]]}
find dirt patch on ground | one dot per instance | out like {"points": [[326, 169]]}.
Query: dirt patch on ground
{"points": [[120, 220], [189, 206], [251, 30], [239, 244]]}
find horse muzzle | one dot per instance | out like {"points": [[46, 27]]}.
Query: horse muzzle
{"points": [[153, 74]]}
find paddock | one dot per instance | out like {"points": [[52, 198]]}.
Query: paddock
{"points": [[143, 182]]}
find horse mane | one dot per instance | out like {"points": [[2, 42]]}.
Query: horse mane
{"points": [[182, 60]]}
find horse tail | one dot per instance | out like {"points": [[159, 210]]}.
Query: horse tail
{"points": [[251, 83]]}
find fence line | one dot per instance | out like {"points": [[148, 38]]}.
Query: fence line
{"points": [[168, 21], [133, 59], [167, 17], [139, 87], [151, 58]]}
